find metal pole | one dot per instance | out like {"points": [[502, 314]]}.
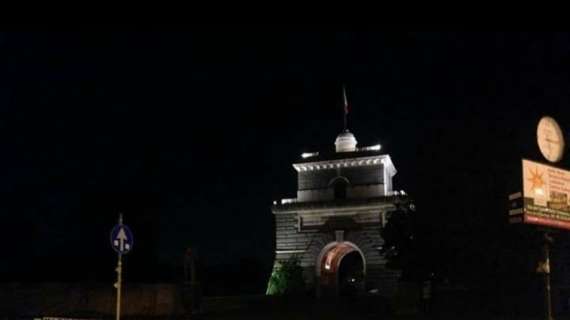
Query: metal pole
{"points": [[547, 296], [118, 286], [119, 278]]}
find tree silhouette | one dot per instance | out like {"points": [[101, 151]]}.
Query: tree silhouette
{"points": [[398, 235]]}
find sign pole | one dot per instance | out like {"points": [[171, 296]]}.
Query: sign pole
{"points": [[119, 276], [547, 295], [122, 243], [118, 286]]}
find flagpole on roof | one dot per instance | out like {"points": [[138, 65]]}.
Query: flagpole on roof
{"points": [[345, 113]]}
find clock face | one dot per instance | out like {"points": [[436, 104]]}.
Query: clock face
{"points": [[550, 139]]}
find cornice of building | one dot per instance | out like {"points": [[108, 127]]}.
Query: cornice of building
{"points": [[346, 163], [345, 205]]}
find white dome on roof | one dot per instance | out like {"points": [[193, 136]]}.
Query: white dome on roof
{"points": [[345, 142]]}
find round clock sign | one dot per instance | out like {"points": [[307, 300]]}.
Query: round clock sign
{"points": [[550, 139]]}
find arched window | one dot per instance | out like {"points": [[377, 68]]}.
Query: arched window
{"points": [[340, 185]]}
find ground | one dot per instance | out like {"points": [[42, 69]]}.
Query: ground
{"points": [[253, 307], [298, 308]]}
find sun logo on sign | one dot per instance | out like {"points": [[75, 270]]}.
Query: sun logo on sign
{"points": [[537, 181]]}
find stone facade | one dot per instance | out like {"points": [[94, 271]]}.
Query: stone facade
{"points": [[342, 201]]}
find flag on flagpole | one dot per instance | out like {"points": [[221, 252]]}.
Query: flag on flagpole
{"points": [[345, 107], [345, 100]]}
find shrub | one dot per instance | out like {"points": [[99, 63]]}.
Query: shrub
{"points": [[287, 278]]}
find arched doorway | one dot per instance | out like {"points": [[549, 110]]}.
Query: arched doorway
{"points": [[341, 268]]}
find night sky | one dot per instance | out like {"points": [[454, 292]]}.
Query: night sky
{"points": [[192, 134]]}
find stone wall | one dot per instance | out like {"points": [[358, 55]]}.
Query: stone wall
{"points": [[94, 299], [308, 245]]}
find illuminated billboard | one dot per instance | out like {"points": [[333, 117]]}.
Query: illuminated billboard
{"points": [[545, 196]]}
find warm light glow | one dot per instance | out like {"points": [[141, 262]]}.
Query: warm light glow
{"points": [[306, 155], [329, 258]]}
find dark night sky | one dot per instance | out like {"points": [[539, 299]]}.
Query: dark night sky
{"points": [[192, 136]]}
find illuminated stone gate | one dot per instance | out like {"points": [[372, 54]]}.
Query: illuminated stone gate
{"points": [[334, 223]]}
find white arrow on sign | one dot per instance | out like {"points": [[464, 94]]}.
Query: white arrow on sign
{"points": [[122, 237]]}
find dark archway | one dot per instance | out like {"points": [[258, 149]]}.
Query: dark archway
{"points": [[350, 274]]}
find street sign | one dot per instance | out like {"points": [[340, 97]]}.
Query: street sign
{"points": [[545, 196], [121, 239], [122, 243]]}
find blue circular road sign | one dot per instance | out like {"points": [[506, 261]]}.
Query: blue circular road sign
{"points": [[121, 239]]}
